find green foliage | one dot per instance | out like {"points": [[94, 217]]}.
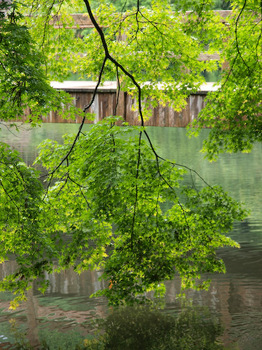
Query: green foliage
{"points": [[124, 5], [119, 187], [234, 111], [20, 229], [104, 209], [153, 43], [24, 86], [20, 340], [156, 46], [105, 205]]}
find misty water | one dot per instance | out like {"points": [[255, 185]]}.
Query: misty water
{"points": [[66, 313]]}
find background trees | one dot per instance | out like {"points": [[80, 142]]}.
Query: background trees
{"points": [[24, 84], [111, 201]]}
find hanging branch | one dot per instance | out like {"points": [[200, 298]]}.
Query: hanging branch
{"points": [[118, 66], [86, 107], [236, 36]]}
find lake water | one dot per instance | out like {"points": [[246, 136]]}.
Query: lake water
{"points": [[66, 313]]}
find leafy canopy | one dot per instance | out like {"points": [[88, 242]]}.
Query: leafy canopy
{"points": [[111, 201]]}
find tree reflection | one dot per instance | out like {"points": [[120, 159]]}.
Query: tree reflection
{"points": [[136, 328], [139, 328]]}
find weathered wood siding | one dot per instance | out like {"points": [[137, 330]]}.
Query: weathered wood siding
{"points": [[165, 115], [105, 105]]}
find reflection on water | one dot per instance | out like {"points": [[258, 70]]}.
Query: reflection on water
{"points": [[236, 296]]}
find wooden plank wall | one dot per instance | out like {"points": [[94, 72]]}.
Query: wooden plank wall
{"points": [[165, 115], [105, 105]]}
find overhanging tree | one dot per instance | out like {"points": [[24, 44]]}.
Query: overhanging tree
{"points": [[111, 200]]}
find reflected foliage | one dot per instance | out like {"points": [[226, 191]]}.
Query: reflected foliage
{"points": [[222, 5], [136, 328], [150, 329], [142, 328]]}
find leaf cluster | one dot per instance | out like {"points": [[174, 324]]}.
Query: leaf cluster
{"points": [[25, 88], [234, 111], [21, 234]]}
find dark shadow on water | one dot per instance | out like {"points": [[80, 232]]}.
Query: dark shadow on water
{"points": [[141, 328]]}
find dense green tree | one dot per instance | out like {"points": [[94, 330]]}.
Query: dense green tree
{"points": [[111, 201]]}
